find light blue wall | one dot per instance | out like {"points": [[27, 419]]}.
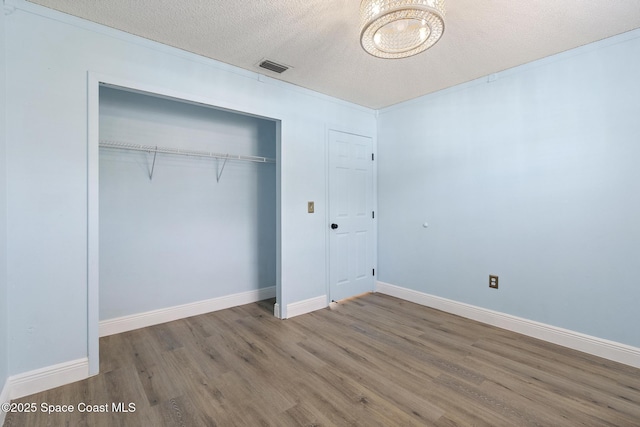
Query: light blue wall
{"points": [[4, 340], [182, 237], [533, 177], [49, 56]]}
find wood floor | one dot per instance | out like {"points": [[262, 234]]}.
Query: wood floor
{"points": [[372, 361]]}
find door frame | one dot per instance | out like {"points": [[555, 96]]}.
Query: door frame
{"points": [[94, 82], [374, 148]]}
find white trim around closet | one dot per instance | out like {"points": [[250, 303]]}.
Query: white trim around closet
{"points": [[94, 81]]}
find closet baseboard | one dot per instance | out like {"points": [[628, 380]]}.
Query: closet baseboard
{"points": [[595, 346], [169, 314]]}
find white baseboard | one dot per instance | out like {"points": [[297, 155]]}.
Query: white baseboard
{"points": [[611, 350], [46, 378], [276, 311], [155, 317], [4, 398], [306, 306]]}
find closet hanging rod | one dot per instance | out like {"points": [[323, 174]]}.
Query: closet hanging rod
{"points": [[179, 151]]}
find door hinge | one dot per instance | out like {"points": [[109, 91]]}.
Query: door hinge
{"points": [[374, 272], [372, 157], [373, 214]]}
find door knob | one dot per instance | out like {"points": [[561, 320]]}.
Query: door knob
{"points": [[334, 226]]}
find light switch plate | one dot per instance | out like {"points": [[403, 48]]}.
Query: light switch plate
{"points": [[311, 207]]}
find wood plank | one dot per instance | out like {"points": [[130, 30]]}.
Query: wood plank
{"points": [[371, 361]]}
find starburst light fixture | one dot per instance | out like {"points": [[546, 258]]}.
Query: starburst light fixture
{"points": [[400, 28]]}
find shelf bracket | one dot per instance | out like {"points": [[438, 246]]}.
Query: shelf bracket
{"points": [[153, 165], [219, 174]]}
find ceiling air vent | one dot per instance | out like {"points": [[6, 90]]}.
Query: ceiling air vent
{"points": [[272, 66]]}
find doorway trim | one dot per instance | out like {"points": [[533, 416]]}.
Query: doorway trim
{"points": [[94, 82]]}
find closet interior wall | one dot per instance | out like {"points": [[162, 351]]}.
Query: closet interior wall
{"points": [[182, 236]]}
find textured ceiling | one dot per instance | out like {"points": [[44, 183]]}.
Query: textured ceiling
{"points": [[319, 38]]}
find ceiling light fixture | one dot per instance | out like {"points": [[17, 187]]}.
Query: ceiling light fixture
{"points": [[400, 28]]}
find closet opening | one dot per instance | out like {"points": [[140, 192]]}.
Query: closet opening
{"points": [[187, 211]]}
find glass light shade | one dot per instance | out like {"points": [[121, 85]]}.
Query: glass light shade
{"points": [[400, 28]]}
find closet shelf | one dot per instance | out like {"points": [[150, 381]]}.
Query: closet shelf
{"points": [[165, 150]]}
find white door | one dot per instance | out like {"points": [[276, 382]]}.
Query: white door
{"points": [[351, 269]]}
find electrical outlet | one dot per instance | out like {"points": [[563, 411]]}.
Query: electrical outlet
{"points": [[311, 207], [493, 281]]}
